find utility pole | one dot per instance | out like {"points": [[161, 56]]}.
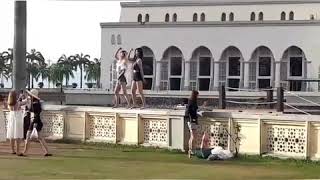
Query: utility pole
{"points": [[19, 46]]}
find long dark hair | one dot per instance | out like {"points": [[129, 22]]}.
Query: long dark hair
{"points": [[139, 55], [194, 96], [12, 98]]}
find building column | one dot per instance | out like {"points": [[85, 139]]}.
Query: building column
{"points": [[246, 75], [277, 74], [187, 76], [158, 75], [311, 86], [216, 75]]}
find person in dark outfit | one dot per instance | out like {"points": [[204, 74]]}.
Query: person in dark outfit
{"points": [[36, 110], [192, 116], [138, 77]]}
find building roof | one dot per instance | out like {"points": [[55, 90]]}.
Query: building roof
{"points": [[152, 3]]}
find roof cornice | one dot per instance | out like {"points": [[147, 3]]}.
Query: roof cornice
{"points": [[210, 24], [208, 3]]}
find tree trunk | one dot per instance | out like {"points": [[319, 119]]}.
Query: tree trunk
{"points": [[19, 48], [80, 76]]}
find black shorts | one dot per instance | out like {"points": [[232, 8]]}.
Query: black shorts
{"points": [[137, 76]]}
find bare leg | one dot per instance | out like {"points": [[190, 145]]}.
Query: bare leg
{"points": [[133, 91], [18, 146], [116, 92], [140, 89], [124, 90], [26, 145], [43, 145], [191, 143], [12, 146]]}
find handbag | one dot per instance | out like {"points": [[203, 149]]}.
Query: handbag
{"points": [[34, 133]]}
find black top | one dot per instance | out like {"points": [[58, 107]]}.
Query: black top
{"points": [[136, 67], [36, 109], [192, 109]]}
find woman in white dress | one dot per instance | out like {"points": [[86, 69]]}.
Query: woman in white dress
{"points": [[15, 122], [2, 123], [122, 60]]}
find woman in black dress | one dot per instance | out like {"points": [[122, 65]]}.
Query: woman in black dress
{"points": [[192, 117], [138, 77], [36, 122]]}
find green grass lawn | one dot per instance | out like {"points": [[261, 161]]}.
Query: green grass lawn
{"points": [[81, 161]]}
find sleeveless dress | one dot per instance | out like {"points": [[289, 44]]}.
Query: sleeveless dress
{"points": [[15, 123], [2, 126], [121, 70], [136, 72]]}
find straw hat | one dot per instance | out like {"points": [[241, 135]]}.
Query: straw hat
{"points": [[34, 93]]}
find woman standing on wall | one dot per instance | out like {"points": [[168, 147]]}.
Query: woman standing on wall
{"points": [[138, 77], [192, 117], [121, 67], [36, 123]]}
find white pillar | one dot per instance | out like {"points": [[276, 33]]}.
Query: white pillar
{"points": [[277, 74], [311, 86], [158, 75], [216, 75], [246, 75], [187, 75]]}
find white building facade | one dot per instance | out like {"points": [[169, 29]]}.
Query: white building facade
{"points": [[201, 45]]}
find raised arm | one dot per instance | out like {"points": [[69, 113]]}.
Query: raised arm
{"points": [[129, 55], [117, 53]]}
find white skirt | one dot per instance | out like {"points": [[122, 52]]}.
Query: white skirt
{"points": [[15, 125], [2, 127]]}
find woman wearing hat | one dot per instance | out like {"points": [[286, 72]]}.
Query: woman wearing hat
{"points": [[36, 109]]}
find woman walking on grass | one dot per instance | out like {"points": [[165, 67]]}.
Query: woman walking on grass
{"points": [[138, 77], [192, 117], [121, 67], [36, 124]]}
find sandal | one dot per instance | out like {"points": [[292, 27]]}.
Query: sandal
{"points": [[47, 154]]}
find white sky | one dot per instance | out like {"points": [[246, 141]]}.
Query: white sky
{"points": [[60, 27]]}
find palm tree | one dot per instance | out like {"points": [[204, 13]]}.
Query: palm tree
{"points": [[64, 69], [44, 72], [34, 60], [4, 66], [7, 57], [82, 62], [93, 71]]}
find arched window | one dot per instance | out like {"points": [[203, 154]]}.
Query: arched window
{"points": [[231, 17], [167, 18], [283, 16], [223, 17], [203, 17], [113, 39], [139, 18], [119, 39], [195, 17], [261, 16], [147, 18], [291, 15], [253, 16], [175, 17]]}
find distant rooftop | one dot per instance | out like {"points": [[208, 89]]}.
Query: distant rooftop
{"points": [[150, 3]]}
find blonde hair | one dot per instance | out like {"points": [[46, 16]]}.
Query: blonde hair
{"points": [[12, 98]]}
